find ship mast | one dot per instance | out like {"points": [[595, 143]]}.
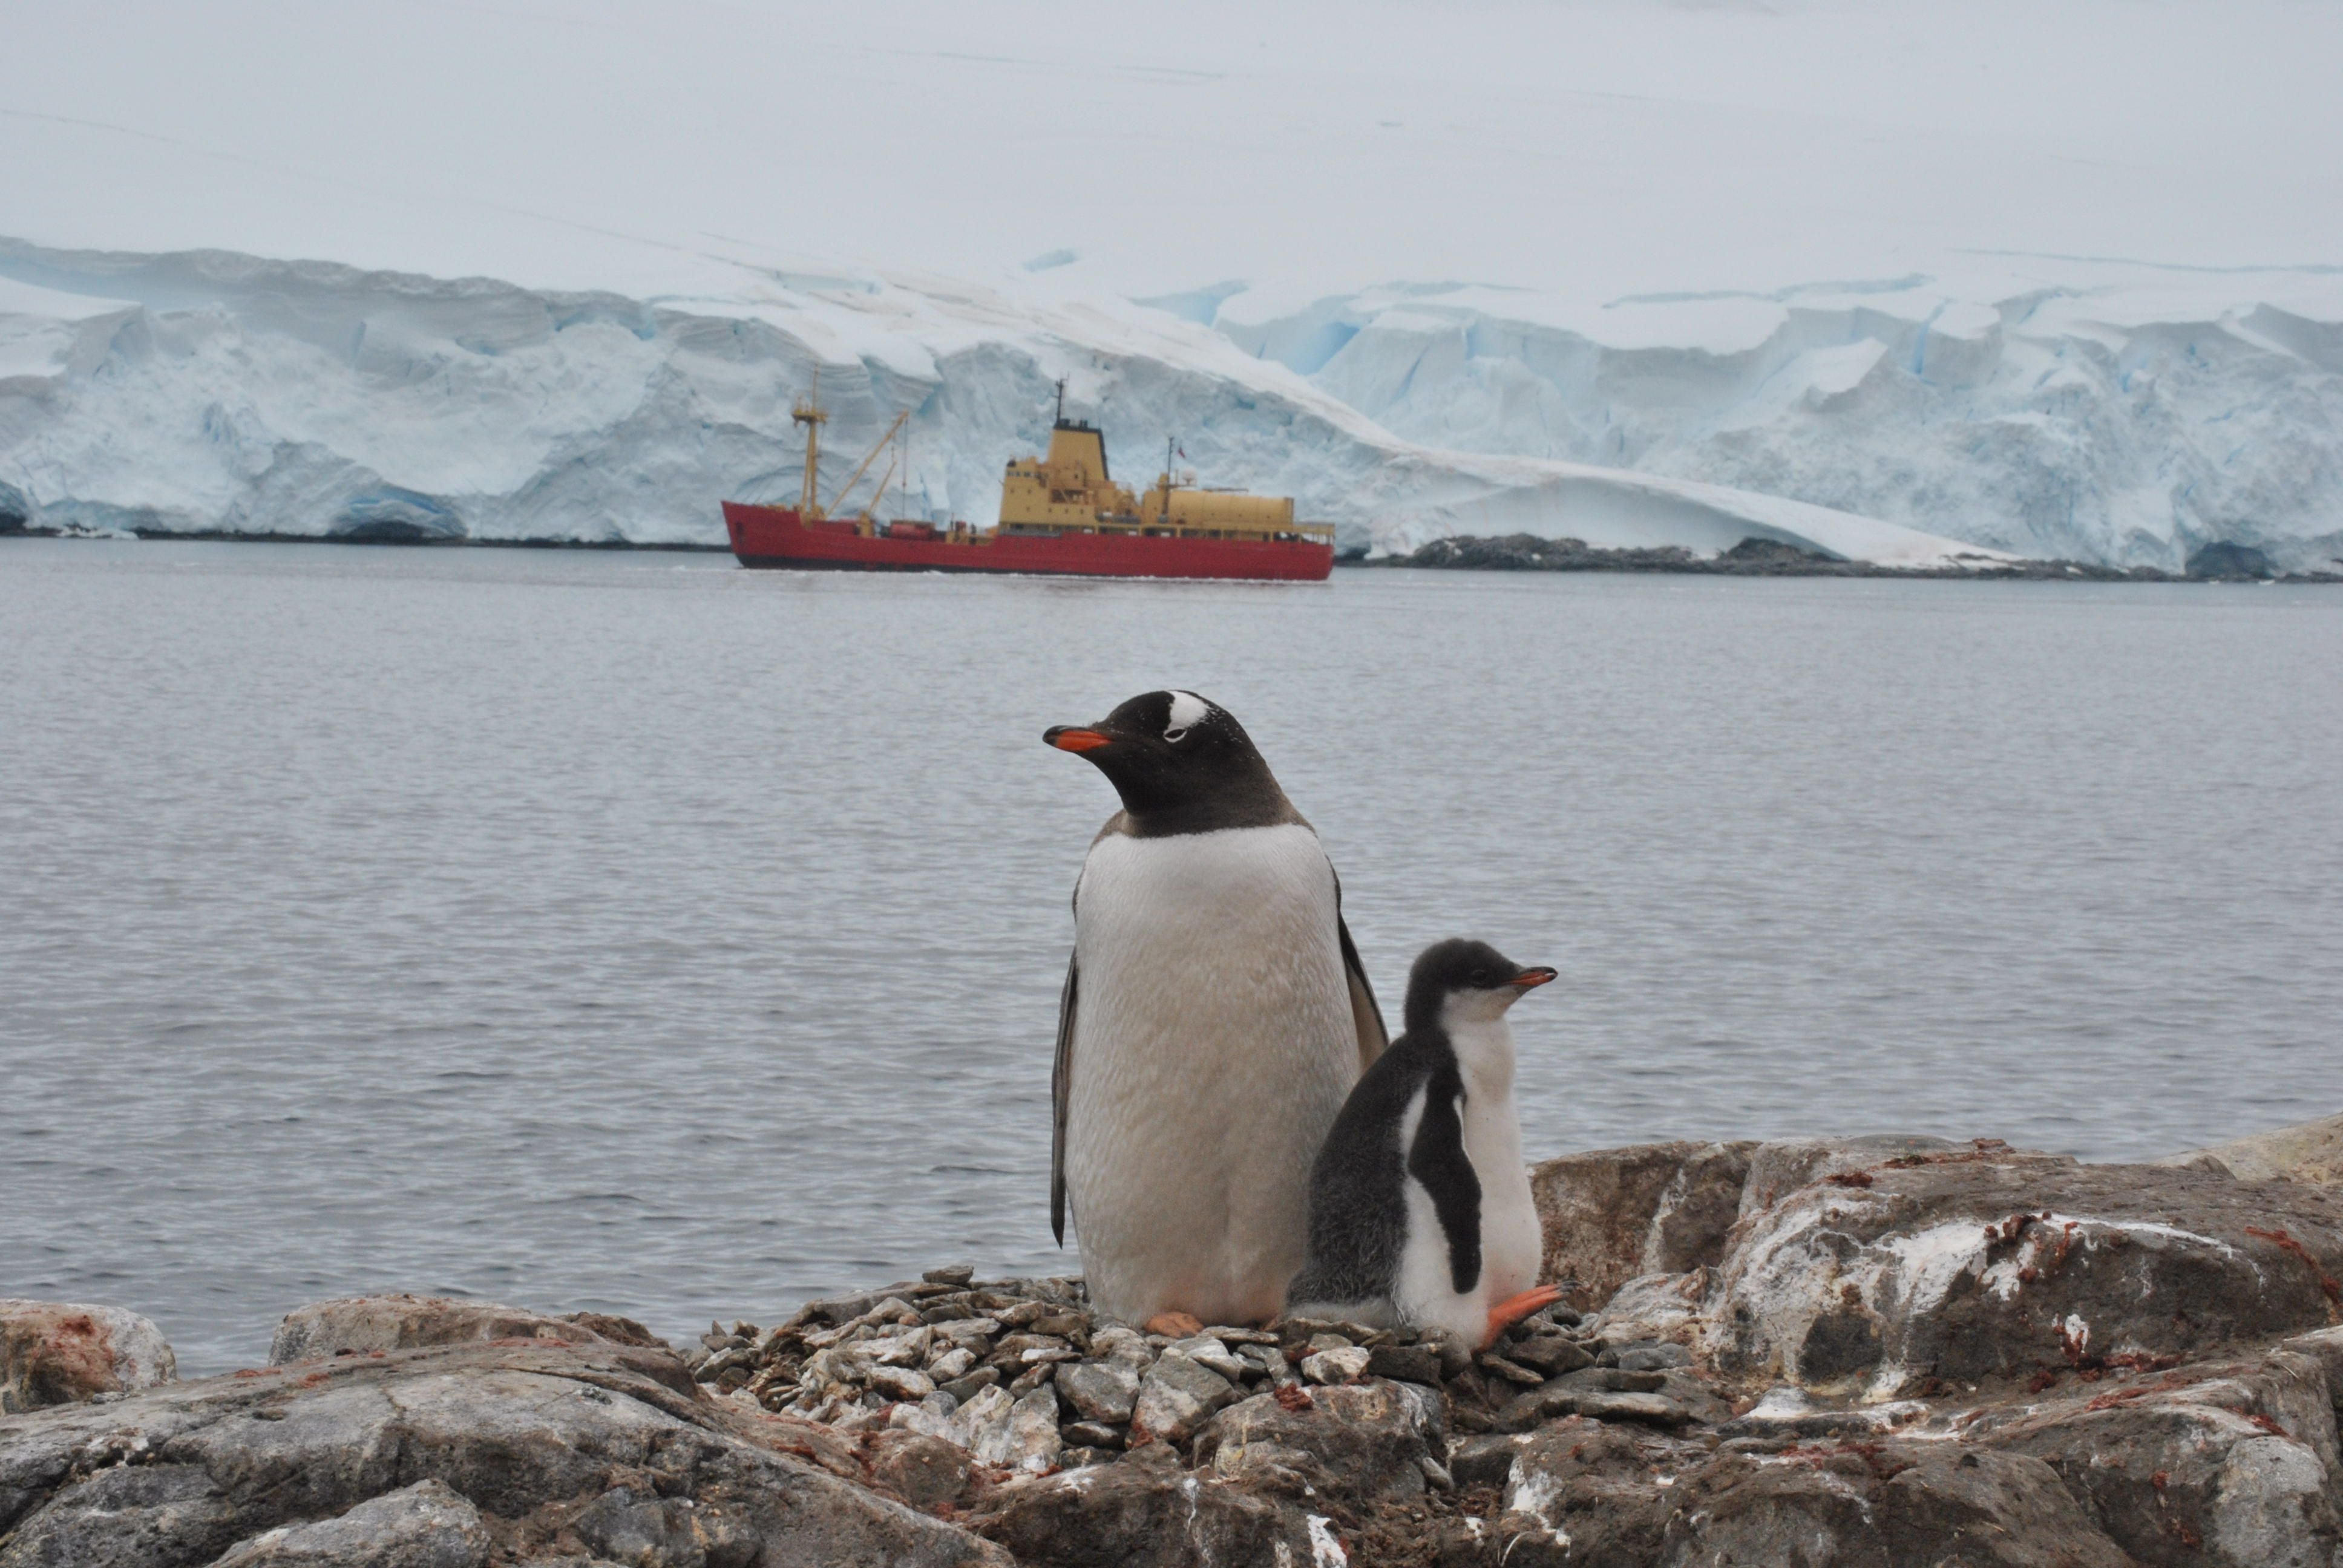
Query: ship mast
{"points": [[809, 412], [1170, 442]]}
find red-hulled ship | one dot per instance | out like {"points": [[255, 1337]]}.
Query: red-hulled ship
{"points": [[1061, 516]]}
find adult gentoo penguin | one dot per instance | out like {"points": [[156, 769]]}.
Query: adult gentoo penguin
{"points": [[1214, 1017], [1420, 1207]]}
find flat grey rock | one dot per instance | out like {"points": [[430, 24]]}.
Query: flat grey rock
{"points": [[1655, 1408], [1178, 1395], [177, 1476], [2307, 1152], [1359, 1442], [1145, 1511], [361, 1326], [1105, 1392], [426, 1526]]}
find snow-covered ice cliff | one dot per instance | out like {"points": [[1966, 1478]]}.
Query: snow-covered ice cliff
{"points": [[2095, 411], [213, 391]]}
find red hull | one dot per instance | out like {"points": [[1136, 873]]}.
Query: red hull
{"points": [[774, 537]]}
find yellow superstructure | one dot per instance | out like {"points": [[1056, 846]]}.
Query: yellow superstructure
{"points": [[1071, 491]]}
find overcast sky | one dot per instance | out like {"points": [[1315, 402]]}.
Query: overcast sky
{"points": [[1596, 149]]}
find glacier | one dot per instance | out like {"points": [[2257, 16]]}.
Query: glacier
{"points": [[1895, 280], [1898, 423], [219, 393], [2107, 412]]}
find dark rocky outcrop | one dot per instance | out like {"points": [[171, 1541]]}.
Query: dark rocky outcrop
{"points": [[1652, 1209], [1874, 1351], [2225, 560], [1759, 556], [2225, 1462], [1882, 1506], [1757, 552], [1967, 1267], [1752, 557], [1532, 552]]}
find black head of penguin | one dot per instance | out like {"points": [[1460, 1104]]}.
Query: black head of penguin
{"points": [[1182, 765], [1465, 979]]}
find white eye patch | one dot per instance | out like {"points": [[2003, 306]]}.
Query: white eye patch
{"points": [[1188, 709]]}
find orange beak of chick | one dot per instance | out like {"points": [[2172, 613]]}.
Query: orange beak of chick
{"points": [[1528, 979]]}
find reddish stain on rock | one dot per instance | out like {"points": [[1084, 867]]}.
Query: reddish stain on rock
{"points": [[56, 1357], [2325, 1280]]}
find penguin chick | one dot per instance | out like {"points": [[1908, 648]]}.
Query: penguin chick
{"points": [[1420, 1206], [1214, 1018]]}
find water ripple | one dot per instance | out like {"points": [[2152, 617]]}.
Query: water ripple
{"points": [[686, 942]]}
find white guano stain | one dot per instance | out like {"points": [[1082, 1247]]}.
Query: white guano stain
{"points": [[1927, 1264], [1789, 1277], [1534, 1495], [1325, 1552]]}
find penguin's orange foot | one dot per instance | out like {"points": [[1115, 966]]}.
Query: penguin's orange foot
{"points": [[1177, 1325], [1513, 1309]]}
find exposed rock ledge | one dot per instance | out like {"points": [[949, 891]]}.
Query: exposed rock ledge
{"points": [[1876, 1352]]}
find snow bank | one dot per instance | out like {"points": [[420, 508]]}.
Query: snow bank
{"points": [[212, 391]]}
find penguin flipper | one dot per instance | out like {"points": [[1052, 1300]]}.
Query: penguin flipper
{"points": [[1438, 1160], [1365, 1016], [1061, 1078]]}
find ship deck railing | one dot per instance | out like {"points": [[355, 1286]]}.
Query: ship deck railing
{"points": [[1280, 533]]}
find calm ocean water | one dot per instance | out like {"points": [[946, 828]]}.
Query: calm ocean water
{"points": [[631, 932]]}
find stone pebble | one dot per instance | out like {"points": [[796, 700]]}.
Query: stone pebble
{"points": [[1023, 1375]]}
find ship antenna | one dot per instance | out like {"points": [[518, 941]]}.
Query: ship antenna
{"points": [[1061, 399]]}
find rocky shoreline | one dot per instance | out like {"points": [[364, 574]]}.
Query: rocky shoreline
{"points": [[391, 533], [1866, 1351], [2218, 562], [1752, 556]]}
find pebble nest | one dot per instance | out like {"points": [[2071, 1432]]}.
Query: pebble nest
{"points": [[1023, 1374]]}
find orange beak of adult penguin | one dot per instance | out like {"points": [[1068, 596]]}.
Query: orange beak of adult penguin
{"points": [[1073, 737], [1529, 979]]}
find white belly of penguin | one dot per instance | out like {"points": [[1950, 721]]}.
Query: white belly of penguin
{"points": [[1213, 1044], [1512, 1244]]}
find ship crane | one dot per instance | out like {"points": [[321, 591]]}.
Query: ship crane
{"points": [[809, 412], [864, 466]]}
